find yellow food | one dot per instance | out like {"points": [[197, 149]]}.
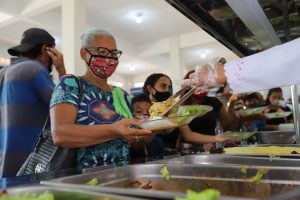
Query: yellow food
{"points": [[158, 108], [271, 150]]}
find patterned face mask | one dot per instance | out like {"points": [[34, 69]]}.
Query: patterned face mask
{"points": [[102, 67]]}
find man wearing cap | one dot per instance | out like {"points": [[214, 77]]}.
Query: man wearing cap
{"points": [[25, 92]]}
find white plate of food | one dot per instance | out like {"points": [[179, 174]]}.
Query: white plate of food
{"points": [[252, 111], [277, 114], [184, 116], [239, 135]]}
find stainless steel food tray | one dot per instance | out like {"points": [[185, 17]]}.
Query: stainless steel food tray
{"points": [[67, 193], [276, 137], [224, 159], [232, 183], [291, 156]]}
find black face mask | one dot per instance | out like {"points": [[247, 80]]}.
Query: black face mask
{"points": [[50, 65], [161, 96]]}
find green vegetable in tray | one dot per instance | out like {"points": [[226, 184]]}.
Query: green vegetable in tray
{"points": [[257, 178], [165, 173], [92, 182], [244, 169], [192, 110], [208, 194], [272, 156], [28, 196]]}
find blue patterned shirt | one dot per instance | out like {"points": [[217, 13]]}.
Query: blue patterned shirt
{"points": [[95, 108]]}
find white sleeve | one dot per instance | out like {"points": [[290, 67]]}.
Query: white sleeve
{"points": [[277, 66]]}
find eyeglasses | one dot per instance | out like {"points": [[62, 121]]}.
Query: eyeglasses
{"points": [[104, 52]]}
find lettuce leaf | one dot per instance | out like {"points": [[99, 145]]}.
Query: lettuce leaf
{"points": [[259, 174], [92, 182], [208, 194], [165, 173], [29, 196]]}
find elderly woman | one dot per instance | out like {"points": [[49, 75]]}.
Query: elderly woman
{"points": [[94, 121]]}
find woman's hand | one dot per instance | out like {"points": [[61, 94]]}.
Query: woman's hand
{"points": [[125, 129], [222, 138]]}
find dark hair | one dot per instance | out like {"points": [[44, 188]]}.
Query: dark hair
{"points": [[220, 90], [152, 79], [251, 96], [35, 51], [270, 93], [140, 98]]}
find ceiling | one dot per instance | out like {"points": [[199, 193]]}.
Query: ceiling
{"points": [[148, 41]]}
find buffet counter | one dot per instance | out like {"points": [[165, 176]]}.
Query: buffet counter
{"points": [[235, 176]]}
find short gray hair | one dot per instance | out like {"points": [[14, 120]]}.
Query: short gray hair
{"points": [[88, 37]]}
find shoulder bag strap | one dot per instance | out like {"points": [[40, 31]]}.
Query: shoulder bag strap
{"points": [[80, 93]]}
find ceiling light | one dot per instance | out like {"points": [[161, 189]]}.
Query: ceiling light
{"points": [[203, 54], [139, 18], [131, 67]]}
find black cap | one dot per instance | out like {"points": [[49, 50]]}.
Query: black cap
{"points": [[30, 39]]}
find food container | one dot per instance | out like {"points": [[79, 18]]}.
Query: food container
{"points": [[276, 137], [223, 159], [65, 193], [229, 180], [266, 150]]}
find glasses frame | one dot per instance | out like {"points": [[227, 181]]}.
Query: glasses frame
{"points": [[109, 52]]}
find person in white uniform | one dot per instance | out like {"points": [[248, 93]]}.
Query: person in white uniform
{"points": [[277, 66]]}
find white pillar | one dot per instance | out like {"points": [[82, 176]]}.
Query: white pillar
{"points": [[73, 25], [175, 63]]}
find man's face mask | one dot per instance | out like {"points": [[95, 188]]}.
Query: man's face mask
{"points": [[102, 67], [161, 96]]}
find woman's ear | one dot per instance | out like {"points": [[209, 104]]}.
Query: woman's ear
{"points": [[83, 54], [149, 89]]}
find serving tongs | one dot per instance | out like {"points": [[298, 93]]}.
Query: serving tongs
{"points": [[179, 101]]}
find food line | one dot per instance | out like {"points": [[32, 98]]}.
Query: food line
{"points": [[263, 176]]}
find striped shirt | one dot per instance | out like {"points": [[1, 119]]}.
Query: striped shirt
{"points": [[25, 93]]}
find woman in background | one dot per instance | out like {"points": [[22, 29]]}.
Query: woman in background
{"points": [[273, 103], [159, 88]]}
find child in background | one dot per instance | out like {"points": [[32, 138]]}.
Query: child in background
{"points": [[274, 103], [154, 146], [140, 106]]}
